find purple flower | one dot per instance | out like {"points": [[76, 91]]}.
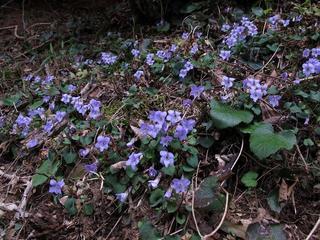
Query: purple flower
{"points": [[306, 53], [152, 172], [227, 82], [188, 124], [48, 80], [135, 52], [28, 78], [122, 197], [102, 143], [187, 102], [274, 19], [52, 106], [138, 74], [181, 133], [297, 81], [165, 141], [256, 94], [188, 66], [150, 129], [196, 91], [285, 23], [132, 141], [180, 185], [166, 158], [225, 27], [133, 160], [84, 152], [157, 117], [108, 58], [194, 49], [66, 98], [37, 79], [48, 126], [284, 75], [168, 193], [185, 36], [46, 99], [149, 59], [60, 115], [198, 35], [71, 88], [173, 116], [173, 48], [308, 69], [154, 183], [32, 143], [56, 186], [23, 121], [183, 73], [274, 100], [315, 52], [93, 167], [225, 55]]}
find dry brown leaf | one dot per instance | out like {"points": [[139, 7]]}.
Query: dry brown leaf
{"points": [[283, 191]]}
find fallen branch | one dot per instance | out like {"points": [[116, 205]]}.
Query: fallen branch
{"points": [[313, 229]]}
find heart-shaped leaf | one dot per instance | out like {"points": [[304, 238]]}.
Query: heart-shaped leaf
{"points": [[225, 116], [264, 142]]}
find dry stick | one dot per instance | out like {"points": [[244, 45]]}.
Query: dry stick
{"points": [[115, 225], [222, 219], [264, 66], [226, 204], [313, 229], [306, 167], [23, 203]]}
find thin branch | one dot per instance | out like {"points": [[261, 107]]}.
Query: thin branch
{"points": [[115, 225], [264, 66], [313, 229], [222, 219]]}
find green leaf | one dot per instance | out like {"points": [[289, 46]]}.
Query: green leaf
{"points": [[36, 104], [172, 206], [169, 170], [308, 142], [38, 180], [207, 193], [147, 231], [256, 231], [70, 205], [273, 202], [181, 218], [88, 209], [225, 116], [69, 156], [190, 7], [12, 100], [264, 142], [250, 179], [258, 11], [156, 197], [193, 160], [206, 141]]}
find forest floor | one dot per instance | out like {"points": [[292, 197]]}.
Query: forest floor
{"points": [[206, 127]]}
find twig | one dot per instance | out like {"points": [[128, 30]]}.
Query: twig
{"points": [[222, 219], [11, 176], [264, 66], [238, 157], [313, 229], [306, 167], [23, 203], [193, 212], [115, 225]]}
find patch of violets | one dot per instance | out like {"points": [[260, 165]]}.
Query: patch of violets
{"points": [[276, 20], [312, 65], [188, 66], [239, 31], [108, 58], [256, 90]]}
